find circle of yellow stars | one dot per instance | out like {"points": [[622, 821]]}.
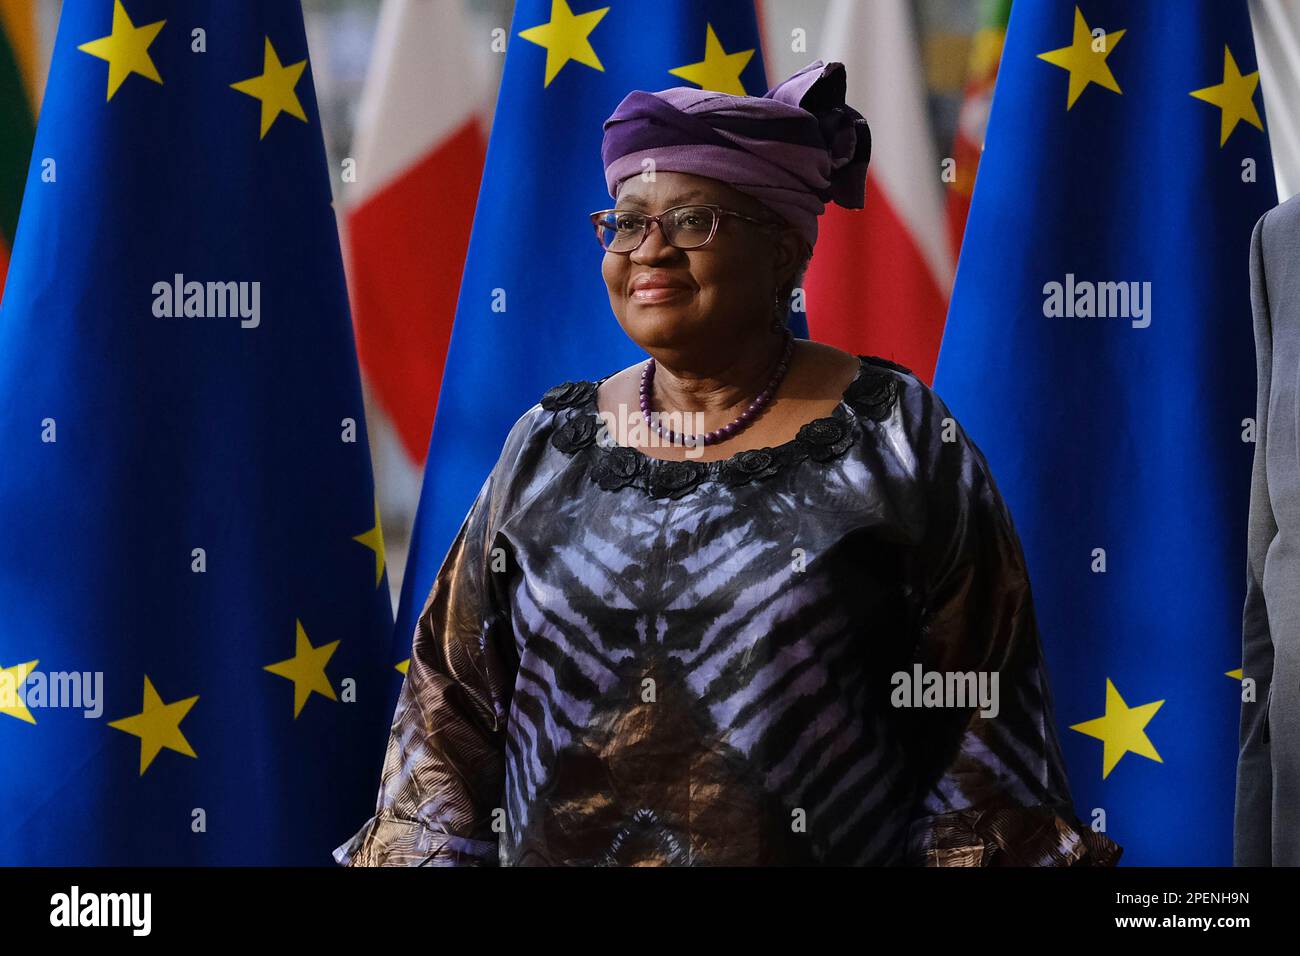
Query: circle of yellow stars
{"points": [[1121, 728], [158, 722], [567, 37], [126, 50], [1085, 60], [157, 725]]}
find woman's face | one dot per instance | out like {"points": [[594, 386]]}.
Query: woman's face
{"points": [[714, 294]]}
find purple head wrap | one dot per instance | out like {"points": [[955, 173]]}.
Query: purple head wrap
{"points": [[796, 148]]}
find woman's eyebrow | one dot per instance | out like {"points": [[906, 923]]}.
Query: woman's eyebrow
{"points": [[639, 203]]}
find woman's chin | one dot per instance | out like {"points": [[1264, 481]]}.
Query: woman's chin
{"points": [[657, 324]]}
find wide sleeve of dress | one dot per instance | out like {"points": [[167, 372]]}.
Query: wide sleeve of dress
{"points": [[993, 787], [444, 770]]}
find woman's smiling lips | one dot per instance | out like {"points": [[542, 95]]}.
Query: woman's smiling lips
{"points": [[657, 287]]}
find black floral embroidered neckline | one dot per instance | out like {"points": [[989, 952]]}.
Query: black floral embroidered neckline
{"points": [[872, 393]]}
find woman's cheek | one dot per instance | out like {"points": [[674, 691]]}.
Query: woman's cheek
{"points": [[613, 272]]}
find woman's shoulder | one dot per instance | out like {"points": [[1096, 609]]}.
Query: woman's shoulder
{"points": [[542, 415], [881, 389], [828, 364], [879, 362], [892, 384], [524, 453], [909, 414]]}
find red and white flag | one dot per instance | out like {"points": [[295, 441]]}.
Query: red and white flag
{"points": [[881, 276], [419, 154]]}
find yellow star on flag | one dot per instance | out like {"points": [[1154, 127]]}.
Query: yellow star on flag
{"points": [[1085, 59], [374, 540], [307, 670], [1235, 97], [403, 667], [719, 70], [275, 88], [11, 680], [1121, 730], [565, 38], [126, 49], [1238, 674], [158, 725]]}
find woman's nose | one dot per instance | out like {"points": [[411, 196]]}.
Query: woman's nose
{"points": [[654, 246]]}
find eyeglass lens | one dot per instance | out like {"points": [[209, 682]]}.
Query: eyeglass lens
{"points": [[686, 228]]}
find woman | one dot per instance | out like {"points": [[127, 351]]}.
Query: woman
{"points": [[706, 642]]}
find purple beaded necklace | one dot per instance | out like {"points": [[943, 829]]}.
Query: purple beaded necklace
{"points": [[732, 427]]}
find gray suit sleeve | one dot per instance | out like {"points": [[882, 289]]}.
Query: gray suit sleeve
{"points": [[1252, 838]]}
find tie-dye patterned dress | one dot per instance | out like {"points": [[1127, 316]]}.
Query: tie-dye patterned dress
{"points": [[631, 661]]}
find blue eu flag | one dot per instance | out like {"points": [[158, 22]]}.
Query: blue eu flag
{"points": [[193, 656], [533, 308], [1099, 349]]}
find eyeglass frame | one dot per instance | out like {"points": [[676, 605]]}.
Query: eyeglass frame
{"points": [[718, 213]]}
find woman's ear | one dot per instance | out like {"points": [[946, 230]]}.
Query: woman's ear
{"points": [[791, 259]]}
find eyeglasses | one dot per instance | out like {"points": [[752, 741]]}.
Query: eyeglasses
{"points": [[686, 227]]}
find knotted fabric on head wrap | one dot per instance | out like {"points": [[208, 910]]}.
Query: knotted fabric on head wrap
{"points": [[796, 148]]}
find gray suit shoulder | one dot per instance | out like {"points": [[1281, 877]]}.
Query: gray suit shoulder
{"points": [[1281, 224], [1275, 271]]}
